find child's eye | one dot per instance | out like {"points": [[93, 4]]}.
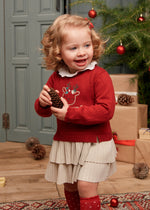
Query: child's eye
{"points": [[73, 48], [87, 45]]}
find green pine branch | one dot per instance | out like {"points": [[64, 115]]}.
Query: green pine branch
{"points": [[120, 24]]}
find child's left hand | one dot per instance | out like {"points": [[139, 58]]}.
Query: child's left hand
{"points": [[60, 113]]}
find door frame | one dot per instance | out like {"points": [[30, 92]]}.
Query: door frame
{"points": [[3, 136]]}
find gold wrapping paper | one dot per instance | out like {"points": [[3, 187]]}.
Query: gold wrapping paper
{"points": [[142, 151], [144, 133], [125, 153], [124, 84], [127, 121]]}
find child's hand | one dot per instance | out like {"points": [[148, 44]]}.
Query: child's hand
{"points": [[60, 113], [44, 97]]}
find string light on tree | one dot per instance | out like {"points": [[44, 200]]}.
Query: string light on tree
{"points": [[141, 18], [92, 13], [120, 49]]}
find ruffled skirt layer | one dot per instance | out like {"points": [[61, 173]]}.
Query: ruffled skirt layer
{"points": [[72, 161]]}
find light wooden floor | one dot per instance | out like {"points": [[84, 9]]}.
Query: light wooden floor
{"points": [[25, 176]]}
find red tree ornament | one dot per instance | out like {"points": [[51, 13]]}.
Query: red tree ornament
{"points": [[141, 18], [120, 49], [92, 13], [114, 202]]}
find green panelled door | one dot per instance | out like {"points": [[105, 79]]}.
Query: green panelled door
{"points": [[25, 23]]}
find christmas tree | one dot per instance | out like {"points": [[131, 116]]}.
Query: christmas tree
{"points": [[128, 31]]}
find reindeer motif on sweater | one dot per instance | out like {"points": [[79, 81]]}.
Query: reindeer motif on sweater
{"points": [[70, 93]]}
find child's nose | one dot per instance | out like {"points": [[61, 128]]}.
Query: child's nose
{"points": [[81, 52]]}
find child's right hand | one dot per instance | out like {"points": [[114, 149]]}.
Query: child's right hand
{"points": [[44, 97]]}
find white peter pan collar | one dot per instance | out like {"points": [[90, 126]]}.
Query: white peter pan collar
{"points": [[64, 73]]}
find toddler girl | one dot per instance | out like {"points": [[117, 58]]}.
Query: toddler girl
{"points": [[83, 151]]}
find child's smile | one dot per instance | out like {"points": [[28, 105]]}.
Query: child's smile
{"points": [[81, 62], [77, 48]]}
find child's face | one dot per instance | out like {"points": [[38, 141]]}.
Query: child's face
{"points": [[77, 49]]}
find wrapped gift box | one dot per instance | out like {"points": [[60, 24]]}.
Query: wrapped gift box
{"points": [[144, 133], [125, 153], [142, 151], [127, 120], [125, 83]]}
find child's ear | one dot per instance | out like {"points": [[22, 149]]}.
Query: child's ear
{"points": [[59, 57], [58, 52]]}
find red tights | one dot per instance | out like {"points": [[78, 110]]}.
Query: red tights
{"points": [[77, 203], [73, 200], [92, 203]]}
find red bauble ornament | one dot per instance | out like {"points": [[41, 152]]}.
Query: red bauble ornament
{"points": [[120, 49], [149, 69], [141, 18], [92, 13], [114, 202]]}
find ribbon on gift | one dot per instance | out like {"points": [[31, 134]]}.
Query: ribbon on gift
{"points": [[125, 92], [123, 142]]}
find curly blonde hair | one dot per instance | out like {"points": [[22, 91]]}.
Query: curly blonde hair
{"points": [[54, 35]]}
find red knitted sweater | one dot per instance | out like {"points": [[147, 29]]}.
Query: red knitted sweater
{"points": [[90, 95]]}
